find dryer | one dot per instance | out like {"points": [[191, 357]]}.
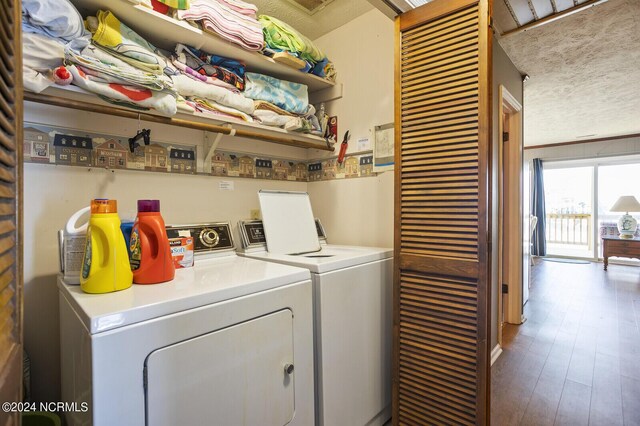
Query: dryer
{"points": [[352, 293], [227, 342]]}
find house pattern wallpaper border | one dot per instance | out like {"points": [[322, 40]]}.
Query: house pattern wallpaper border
{"points": [[44, 144]]}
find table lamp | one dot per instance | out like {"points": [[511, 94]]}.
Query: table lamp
{"points": [[626, 224]]}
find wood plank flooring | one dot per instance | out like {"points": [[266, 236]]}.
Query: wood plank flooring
{"points": [[576, 360]]}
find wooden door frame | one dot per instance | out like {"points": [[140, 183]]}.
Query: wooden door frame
{"points": [[11, 363], [511, 311]]}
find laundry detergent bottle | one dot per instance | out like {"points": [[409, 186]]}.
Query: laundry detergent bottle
{"points": [[151, 259], [74, 241], [106, 263]]}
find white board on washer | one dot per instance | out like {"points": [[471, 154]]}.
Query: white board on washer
{"points": [[289, 224]]}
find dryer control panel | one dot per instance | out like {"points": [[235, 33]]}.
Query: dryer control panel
{"points": [[207, 237]]}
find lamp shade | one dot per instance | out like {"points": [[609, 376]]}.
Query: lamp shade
{"points": [[626, 203]]}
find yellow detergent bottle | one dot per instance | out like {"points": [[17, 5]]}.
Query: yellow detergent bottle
{"points": [[106, 262]]}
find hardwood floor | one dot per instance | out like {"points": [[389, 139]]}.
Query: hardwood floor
{"points": [[576, 360]]}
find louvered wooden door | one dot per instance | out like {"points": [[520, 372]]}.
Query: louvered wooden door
{"points": [[10, 207], [441, 300]]}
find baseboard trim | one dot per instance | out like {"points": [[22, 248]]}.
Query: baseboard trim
{"points": [[495, 353]]}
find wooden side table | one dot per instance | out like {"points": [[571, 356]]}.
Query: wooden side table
{"points": [[620, 247]]}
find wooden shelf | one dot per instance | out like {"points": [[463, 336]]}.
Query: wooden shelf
{"points": [[164, 32], [78, 98]]}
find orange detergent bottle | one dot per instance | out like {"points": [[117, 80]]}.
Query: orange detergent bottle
{"points": [[151, 260], [105, 267]]}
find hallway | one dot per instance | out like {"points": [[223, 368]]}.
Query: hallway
{"points": [[576, 360]]}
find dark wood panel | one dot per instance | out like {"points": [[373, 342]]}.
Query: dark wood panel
{"points": [[442, 109], [439, 265]]}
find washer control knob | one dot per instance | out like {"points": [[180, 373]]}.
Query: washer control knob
{"points": [[209, 237], [288, 368]]}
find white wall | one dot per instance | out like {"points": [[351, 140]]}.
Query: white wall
{"points": [[359, 211]]}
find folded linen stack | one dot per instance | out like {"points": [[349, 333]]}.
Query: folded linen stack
{"points": [[233, 20], [281, 103], [121, 67], [211, 69], [48, 26], [280, 37], [124, 43], [211, 84]]}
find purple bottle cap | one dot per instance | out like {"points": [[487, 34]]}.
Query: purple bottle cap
{"points": [[148, 206]]}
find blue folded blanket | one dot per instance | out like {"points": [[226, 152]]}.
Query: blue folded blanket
{"points": [[292, 97], [57, 19]]}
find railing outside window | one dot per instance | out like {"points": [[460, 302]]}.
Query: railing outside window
{"points": [[569, 228]]}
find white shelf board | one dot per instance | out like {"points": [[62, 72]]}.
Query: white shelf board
{"points": [[78, 94], [164, 32]]}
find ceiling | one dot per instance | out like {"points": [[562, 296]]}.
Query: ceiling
{"points": [[584, 72], [512, 14], [334, 15]]}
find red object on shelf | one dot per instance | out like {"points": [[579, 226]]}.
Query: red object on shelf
{"points": [[159, 7], [343, 147]]}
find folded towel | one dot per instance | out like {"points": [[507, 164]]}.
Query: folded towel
{"points": [[98, 63], [186, 86], [242, 7], [268, 106], [205, 71], [130, 96], [211, 106], [125, 43], [330, 71], [190, 72], [292, 97], [40, 54], [281, 36], [57, 19], [236, 67], [218, 18]]}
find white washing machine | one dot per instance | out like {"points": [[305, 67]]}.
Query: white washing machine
{"points": [[352, 291], [227, 342]]}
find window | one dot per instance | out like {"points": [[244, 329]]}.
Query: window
{"points": [[568, 201], [578, 196], [102, 160], [64, 157], [615, 181]]}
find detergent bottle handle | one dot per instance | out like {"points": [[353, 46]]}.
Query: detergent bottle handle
{"points": [[71, 228], [104, 243]]}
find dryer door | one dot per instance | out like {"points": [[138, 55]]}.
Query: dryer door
{"points": [[234, 376]]}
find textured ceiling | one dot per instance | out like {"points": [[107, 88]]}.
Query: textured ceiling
{"points": [[334, 15], [585, 74]]}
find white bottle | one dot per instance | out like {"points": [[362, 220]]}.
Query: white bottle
{"points": [[73, 246]]}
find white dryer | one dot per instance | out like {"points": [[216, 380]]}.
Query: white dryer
{"points": [[227, 342], [352, 291]]}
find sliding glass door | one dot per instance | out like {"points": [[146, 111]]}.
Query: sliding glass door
{"points": [[579, 195], [614, 181], [569, 206]]}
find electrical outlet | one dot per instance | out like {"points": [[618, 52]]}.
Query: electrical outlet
{"points": [[255, 214]]}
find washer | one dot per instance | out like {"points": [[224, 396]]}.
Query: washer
{"points": [[352, 291], [227, 342]]}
